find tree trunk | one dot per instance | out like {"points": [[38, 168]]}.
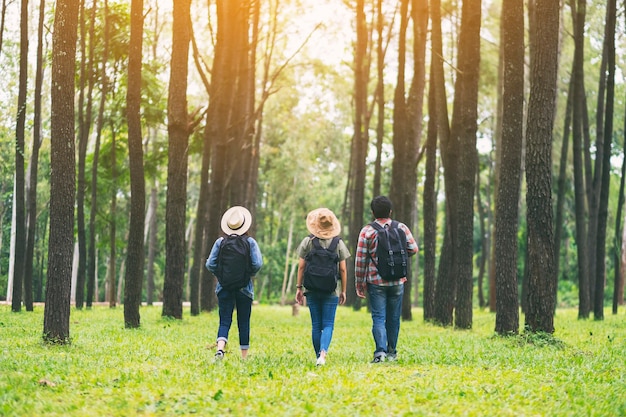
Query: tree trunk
{"points": [[620, 239], [360, 139], [92, 261], [408, 131], [56, 328], [152, 245], [86, 80], [110, 280], [31, 223], [20, 219], [560, 199], [380, 97], [507, 300], [541, 109], [579, 185], [178, 130], [430, 204], [135, 249], [464, 126], [445, 293], [609, 46]]}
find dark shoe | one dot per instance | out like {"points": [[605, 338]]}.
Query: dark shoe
{"points": [[378, 358], [219, 355]]}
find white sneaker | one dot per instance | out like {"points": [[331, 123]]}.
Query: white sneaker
{"points": [[320, 361]]}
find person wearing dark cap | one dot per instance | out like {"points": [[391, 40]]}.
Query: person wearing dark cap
{"points": [[385, 293], [235, 224], [322, 264]]}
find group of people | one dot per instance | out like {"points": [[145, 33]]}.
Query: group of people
{"points": [[372, 277]]}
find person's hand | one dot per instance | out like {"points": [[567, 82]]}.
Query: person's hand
{"points": [[360, 289], [342, 298], [299, 296]]}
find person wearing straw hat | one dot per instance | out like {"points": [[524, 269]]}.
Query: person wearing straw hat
{"points": [[324, 228], [236, 222]]}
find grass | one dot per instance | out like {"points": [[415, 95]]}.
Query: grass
{"points": [[166, 368]]}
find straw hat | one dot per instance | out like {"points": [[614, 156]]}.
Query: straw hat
{"points": [[236, 221], [323, 223]]}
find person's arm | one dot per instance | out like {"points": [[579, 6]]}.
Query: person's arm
{"points": [[211, 262], [343, 273], [299, 290], [411, 245], [360, 265], [255, 255]]}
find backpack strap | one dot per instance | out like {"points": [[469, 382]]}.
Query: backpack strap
{"points": [[333, 244]]}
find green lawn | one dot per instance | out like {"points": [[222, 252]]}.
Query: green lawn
{"points": [[166, 368]]}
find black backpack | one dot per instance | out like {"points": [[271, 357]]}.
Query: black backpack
{"points": [[233, 262], [391, 251], [321, 270]]}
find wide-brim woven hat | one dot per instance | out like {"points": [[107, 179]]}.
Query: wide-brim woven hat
{"points": [[236, 221], [323, 223]]}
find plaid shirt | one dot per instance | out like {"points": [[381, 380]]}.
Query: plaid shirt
{"points": [[364, 269]]}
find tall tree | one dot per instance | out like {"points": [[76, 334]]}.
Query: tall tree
{"points": [[85, 101], [360, 139], [91, 261], [430, 203], [445, 285], [56, 326], [33, 169], [540, 120], [178, 130], [219, 121], [20, 218], [463, 134], [605, 156], [507, 310], [135, 251], [579, 183], [620, 238], [407, 125]]}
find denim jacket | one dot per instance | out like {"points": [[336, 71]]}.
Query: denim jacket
{"points": [[256, 258]]}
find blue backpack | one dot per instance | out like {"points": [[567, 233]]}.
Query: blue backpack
{"points": [[391, 252], [321, 270]]}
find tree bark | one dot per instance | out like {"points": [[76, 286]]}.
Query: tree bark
{"points": [[20, 209], [430, 204], [360, 139], [603, 206], [31, 222], [464, 127], [445, 294], [541, 109], [178, 131], [92, 258], [56, 328], [135, 249], [507, 299], [579, 184]]}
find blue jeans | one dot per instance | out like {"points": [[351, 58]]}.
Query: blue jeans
{"points": [[227, 301], [322, 308], [386, 306]]}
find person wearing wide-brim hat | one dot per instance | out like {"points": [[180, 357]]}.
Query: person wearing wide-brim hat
{"points": [[235, 224], [324, 228]]}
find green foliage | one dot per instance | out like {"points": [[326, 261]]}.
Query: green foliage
{"points": [[167, 368]]}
